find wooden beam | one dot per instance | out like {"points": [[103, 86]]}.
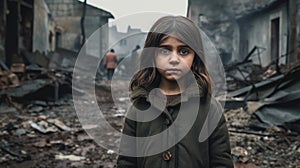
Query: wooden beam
{"points": [[23, 3]]}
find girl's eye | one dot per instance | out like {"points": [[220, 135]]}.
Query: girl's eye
{"points": [[164, 51], [184, 51]]}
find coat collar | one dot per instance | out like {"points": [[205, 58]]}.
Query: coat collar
{"points": [[158, 99]]}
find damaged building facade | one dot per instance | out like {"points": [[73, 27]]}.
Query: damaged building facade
{"points": [[24, 26], [67, 16], [258, 41], [271, 27], [44, 25], [38, 37]]}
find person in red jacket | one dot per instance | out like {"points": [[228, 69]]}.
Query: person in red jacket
{"points": [[110, 63]]}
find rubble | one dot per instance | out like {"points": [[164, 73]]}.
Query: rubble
{"points": [[70, 145], [46, 147], [69, 157], [277, 100], [40, 128], [8, 80], [265, 132], [273, 147], [59, 124]]}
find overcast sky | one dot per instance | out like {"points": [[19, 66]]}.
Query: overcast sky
{"points": [[130, 11]]}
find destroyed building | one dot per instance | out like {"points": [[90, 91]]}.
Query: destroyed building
{"points": [[240, 26], [67, 16], [24, 26], [38, 35], [272, 29], [258, 42], [255, 39]]}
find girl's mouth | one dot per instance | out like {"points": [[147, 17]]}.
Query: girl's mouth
{"points": [[173, 71]]}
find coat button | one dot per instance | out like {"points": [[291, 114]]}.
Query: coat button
{"points": [[167, 156], [168, 122]]}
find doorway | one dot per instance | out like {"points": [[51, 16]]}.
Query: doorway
{"points": [[275, 40]]}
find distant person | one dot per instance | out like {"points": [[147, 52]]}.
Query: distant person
{"points": [[110, 63], [134, 53]]}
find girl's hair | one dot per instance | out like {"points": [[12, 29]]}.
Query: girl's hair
{"points": [[186, 31]]}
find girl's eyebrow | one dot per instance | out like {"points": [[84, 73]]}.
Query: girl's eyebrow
{"points": [[165, 45]]}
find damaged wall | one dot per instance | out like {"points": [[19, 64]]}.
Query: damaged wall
{"points": [[218, 25], [41, 27], [23, 27], [18, 29], [67, 15], [68, 32], [224, 30], [267, 29], [101, 38]]}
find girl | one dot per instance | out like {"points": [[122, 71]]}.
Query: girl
{"points": [[187, 128]]}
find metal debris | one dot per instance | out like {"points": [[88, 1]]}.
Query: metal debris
{"points": [[42, 127], [59, 124], [69, 157]]}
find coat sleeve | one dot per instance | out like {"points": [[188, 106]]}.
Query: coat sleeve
{"points": [[219, 145], [126, 161]]}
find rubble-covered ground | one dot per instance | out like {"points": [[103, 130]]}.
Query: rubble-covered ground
{"points": [[273, 147], [49, 134], [24, 146]]}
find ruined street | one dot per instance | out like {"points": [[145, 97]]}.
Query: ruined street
{"points": [[39, 133], [62, 106]]}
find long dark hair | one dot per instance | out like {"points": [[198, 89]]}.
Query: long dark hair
{"points": [[186, 31]]}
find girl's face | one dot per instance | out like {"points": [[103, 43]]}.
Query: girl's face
{"points": [[173, 59]]}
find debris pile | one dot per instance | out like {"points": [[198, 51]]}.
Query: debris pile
{"points": [[52, 136], [264, 121], [39, 126], [276, 100], [252, 147]]}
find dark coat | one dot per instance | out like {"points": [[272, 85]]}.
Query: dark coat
{"points": [[189, 152]]}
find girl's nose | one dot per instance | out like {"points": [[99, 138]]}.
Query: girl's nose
{"points": [[174, 58]]}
